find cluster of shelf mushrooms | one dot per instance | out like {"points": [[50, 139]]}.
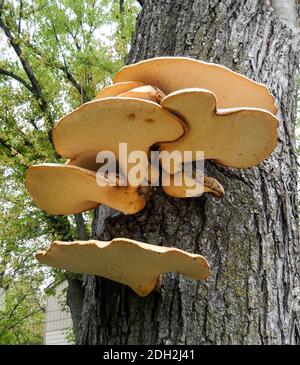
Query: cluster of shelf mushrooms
{"points": [[175, 104]]}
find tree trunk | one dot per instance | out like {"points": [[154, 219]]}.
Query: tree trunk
{"points": [[75, 290], [250, 237]]}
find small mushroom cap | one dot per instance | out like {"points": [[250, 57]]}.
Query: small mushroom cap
{"points": [[117, 89], [147, 92], [101, 125], [129, 262], [64, 189], [192, 188], [174, 73], [237, 138], [86, 160]]}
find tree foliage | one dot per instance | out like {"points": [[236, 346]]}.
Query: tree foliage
{"points": [[54, 55]]}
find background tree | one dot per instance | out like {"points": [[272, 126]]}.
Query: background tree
{"points": [[251, 236], [54, 55]]}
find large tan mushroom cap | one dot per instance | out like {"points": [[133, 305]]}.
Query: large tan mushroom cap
{"points": [[102, 124], [129, 262], [174, 73], [65, 189], [117, 89], [193, 188], [238, 138]]}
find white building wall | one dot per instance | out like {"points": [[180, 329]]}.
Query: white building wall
{"points": [[55, 338], [58, 320]]}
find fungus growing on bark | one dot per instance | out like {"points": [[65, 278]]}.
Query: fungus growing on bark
{"points": [[102, 125], [129, 262], [65, 189], [241, 133], [190, 187], [117, 89], [241, 137], [169, 74], [186, 186]]}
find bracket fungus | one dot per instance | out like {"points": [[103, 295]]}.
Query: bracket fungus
{"points": [[190, 187], [136, 264], [169, 74], [176, 104], [240, 138], [66, 189], [185, 184], [103, 124]]}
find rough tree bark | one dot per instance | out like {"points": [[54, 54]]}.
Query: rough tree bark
{"points": [[286, 11], [250, 237]]}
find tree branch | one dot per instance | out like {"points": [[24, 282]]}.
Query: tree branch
{"points": [[36, 89], [77, 45], [121, 6], [66, 71], [9, 149], [20, 19], [76, 84], [33, 123], [62, 67], [16, 77], [6, 329]]}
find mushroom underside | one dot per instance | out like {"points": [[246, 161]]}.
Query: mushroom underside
{"points": [[133, 263]]}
